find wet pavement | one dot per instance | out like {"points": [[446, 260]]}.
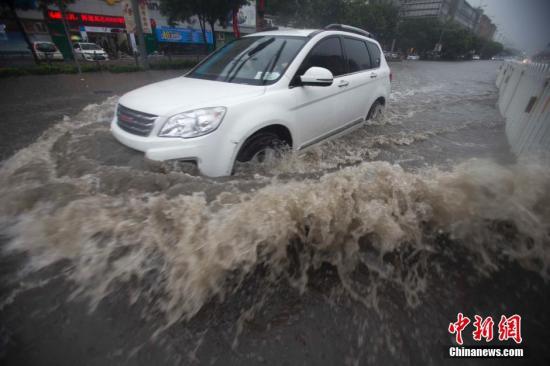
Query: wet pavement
{"points": [[31, 104], [361, 250]]}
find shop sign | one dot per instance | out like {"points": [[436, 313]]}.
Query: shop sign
{"points": [[99, 29], [128, 13], [88, 19], [180, 35]]}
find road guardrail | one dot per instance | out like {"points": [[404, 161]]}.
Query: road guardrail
{"points": [[524, 101]]}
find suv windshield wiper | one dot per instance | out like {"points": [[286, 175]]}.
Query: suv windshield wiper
{"points": [[232, 74], [261, 46]]}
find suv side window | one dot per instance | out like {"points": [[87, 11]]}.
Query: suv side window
{"points": [[374, 51], [358, 55], [328, 54]]}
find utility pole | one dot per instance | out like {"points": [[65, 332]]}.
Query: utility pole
{"points": [[395, 36], [62, 9], [139, 32], [396, 30]]}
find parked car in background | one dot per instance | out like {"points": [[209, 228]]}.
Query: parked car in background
{"points": [[476, 57], [47, 51], [392, 56], [257, 96], [413, 57], [90, 52]]}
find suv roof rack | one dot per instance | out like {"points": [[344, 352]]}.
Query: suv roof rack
{"points": [[348, 28]]}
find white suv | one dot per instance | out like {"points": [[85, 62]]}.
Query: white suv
{"points": [[256, 95]]}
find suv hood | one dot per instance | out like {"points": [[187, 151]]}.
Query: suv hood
{"points": [[181, 94]]}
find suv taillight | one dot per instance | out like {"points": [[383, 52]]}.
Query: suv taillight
{"points": [[391, 76]]}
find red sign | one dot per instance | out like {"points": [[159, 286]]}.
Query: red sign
{"points": [[89, 19], [508, 328]]}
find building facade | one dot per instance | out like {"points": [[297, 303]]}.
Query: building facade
{"points": [[486, 29], [425, 8], [465, 14], [103, 22], [458, 10]]}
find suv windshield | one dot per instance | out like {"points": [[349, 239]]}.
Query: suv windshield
{"points": [[90, 46], [251, 60]]}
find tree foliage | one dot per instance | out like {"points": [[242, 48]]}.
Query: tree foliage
{"points": [[378, 17], [418, 35], [421, 35], [208, 12]]}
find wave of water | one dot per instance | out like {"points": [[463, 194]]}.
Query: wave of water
{"points": [[177, 241]]}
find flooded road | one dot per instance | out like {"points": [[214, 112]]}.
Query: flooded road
{"points": [[360, 250]]}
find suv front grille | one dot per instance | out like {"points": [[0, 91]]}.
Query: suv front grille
{"points": [[137, 123]]}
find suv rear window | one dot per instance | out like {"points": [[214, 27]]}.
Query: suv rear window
{"points": [[358, 55], [328, 54], [374, 51]]}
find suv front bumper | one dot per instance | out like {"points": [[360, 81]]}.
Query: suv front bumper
{"points": [[214, 158]]}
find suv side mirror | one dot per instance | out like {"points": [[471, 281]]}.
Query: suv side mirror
{"points": [[317, 76]]}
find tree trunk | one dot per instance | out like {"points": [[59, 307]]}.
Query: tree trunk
{"points": [[213, 35], [11, 5], [62, 9], [202, 23]]}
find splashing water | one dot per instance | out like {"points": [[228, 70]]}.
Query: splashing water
{"points": [[164, 236], [180, 240]]}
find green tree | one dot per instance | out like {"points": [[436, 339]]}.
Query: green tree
{"points": [[491, 48], [208, 12], [307, 13], [420, 35], [423, 34], [377, 16]]}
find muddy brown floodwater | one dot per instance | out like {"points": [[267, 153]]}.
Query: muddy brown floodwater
{"points": [[361, 250]]}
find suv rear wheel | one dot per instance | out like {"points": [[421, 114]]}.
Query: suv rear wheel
{"points": [[376, 112]]}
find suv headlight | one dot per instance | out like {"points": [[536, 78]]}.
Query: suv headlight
{"points": [[193, 123]]}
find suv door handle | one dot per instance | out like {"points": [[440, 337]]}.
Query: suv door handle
{"points": [[373, 75], [343, 83]]}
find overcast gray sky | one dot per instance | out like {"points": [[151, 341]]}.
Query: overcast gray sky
{"points": [[524, 24]]}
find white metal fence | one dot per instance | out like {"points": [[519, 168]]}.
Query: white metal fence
{"points": [[524, 100]]}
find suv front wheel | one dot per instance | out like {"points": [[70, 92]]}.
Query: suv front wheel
{"points": [[262, 147]]}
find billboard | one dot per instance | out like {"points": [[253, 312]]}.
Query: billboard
{"points": [[128, 13], [182, 35]]}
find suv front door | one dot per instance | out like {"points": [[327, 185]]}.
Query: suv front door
{"points": [[318, 108]]}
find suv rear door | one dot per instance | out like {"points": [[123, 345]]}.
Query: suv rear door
{"points": [[362, 77]]}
